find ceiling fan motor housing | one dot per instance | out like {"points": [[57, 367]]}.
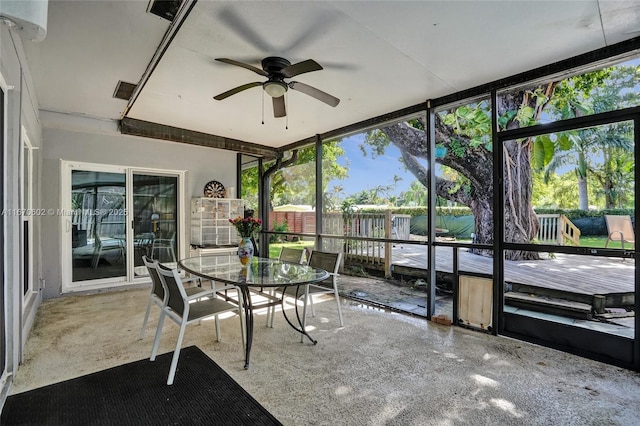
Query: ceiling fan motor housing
{"points": [[275, 86], [273, 65]]}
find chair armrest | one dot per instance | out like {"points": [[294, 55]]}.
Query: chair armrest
{"points": [[201, 294]]}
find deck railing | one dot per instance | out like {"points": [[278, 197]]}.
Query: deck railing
{"points": [[554, 229], [557, 229], [365, 225]]}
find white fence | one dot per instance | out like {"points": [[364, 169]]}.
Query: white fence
{"points": [[557, 229], [365, 225]]}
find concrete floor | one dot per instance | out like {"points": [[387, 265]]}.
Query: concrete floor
{"points": [[397, 296], [382, 368]]}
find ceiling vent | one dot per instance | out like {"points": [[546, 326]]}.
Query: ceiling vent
{"points": [[124, 90], [166, 9]]}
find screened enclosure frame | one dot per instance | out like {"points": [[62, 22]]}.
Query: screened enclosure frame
{"points": [[592, 344], [572, 66]]}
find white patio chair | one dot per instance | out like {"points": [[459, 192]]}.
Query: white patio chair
{"points": [[157, 290], [619, 228], [290, 255], [165, 245], [185, 310], [330, 262], [103, 247]]}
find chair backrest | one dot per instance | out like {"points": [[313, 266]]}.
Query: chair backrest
{"points": [[621, 224], [152, 267], [176, 294], [330, 262], [165, 239], [291, 255]]}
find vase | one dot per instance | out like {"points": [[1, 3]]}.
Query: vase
{"points": [[245, 250]]}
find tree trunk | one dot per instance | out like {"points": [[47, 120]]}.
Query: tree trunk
{"points": [[520, 221], [583, 194]]}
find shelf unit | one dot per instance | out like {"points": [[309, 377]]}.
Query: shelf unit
{"points": [[210, 224]]}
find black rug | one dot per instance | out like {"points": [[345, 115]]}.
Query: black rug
{"points": [[137, 394]]}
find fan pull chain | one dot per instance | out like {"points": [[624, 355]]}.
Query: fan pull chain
{"points": [[262, 106], [286, 117]]}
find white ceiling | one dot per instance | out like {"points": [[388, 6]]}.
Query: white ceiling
{"points": [[379, 56]]}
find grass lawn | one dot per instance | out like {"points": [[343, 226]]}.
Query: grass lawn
{"points": [[274, 248], [600, 241]]}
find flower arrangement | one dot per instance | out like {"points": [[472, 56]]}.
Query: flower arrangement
{"points": [[247, 227]]}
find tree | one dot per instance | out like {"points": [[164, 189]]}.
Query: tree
{"points": [[416, 195], [293, 180], [592, 93], [463, 136], [463, 133]]}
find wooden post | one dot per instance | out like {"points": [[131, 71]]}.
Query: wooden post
{"points": [[387, 245], [599, 303]]}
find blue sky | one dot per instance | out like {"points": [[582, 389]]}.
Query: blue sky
{"points": [[366, 173]]}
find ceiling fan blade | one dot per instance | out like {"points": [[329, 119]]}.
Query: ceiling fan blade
{"points": [[243, 29], [315, 93], [243, 65], [323, 23], [279, 109], [300, 68], [238, 89]]}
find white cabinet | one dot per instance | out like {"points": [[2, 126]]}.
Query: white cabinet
{"points": [[210, 224]]}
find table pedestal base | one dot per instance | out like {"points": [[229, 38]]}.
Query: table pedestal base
{"points": [[248, 307]]}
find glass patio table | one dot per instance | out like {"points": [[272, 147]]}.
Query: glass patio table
{"points": [[262, 273]]}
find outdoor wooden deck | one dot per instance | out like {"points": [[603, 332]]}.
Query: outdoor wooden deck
{"points": [[570, 273]]}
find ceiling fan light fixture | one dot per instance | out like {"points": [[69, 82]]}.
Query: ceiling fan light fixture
{"points": [[275, 89]]}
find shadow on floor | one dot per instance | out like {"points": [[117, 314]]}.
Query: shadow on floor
{"points": [[395, 295]]}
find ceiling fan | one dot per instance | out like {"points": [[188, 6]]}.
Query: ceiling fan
{"points": [[276, 69]]}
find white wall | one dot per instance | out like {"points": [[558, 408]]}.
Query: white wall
{"points": [[94, 141], [22, 111]]}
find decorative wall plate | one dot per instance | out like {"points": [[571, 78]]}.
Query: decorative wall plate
{"points": [[214, 189]]}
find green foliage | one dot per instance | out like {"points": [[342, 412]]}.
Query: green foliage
{"points": [[377, 142], [295, 184], [423, 210], [278, 227], [347, 207], [457, 148], [506, 118], [416, 195], [249, 180], [561, 191], [524, 116], [543, 150], [472, 121], [578, 213]]}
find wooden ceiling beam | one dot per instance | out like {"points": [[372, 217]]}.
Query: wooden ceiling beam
{"points": [[147, 129]]}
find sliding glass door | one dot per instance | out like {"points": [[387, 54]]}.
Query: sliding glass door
{"points": [[155, 220], [112, 217], [98, 225]]}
